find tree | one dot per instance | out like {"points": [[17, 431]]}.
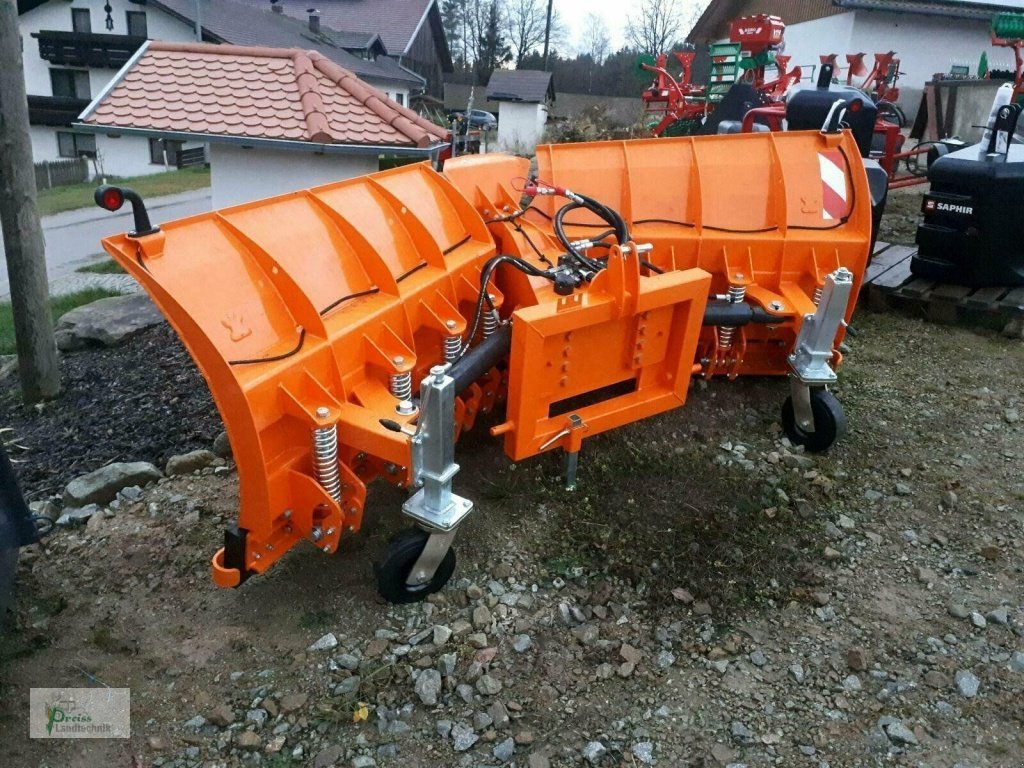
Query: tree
{"points": [[492, 50], [19, 217], [525, 21], [595, 42], [657, 25]]}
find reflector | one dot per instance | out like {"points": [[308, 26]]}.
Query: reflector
{"points": [[110, 198]]}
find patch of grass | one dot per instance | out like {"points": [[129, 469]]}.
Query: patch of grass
{"points": [[74, 196], [315, 619], [106, 267], [58, 306]]}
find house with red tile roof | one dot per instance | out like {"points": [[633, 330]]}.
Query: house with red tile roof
{"points": [[73, 48], [275, 119]]}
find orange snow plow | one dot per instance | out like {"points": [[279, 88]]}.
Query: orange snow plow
{"points": [[354, 331]]}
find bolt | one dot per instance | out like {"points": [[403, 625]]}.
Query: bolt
{"points": [[287, 529], [350, 528], [450, 325], [257, 556], [330, 531], [323, 412], [287, 514], [316, 533], [398, 360], [405, 408], [270, 547], [352, 510], [327, 548]]}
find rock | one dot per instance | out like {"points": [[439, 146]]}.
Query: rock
{"points": [[958, 610], [758, 659], [538, 760], [925, 575], [222, 716], [293, 702], [630, 654], [463, 737], [481, 617], [898, 733], [999, 616], [348, 687], [347, 661], [446, 664], [196, 722], [328, 756], [363, 761], [682, 595], [525, 738], [106, 322], [221, 446], [1017, 661], [665, 659], [967, 684], [1011, 415], [871, 495], [936, 679], [428, 686], [498, 713], [187, 463], [488, 685], [258, 716], [797, 671], [741, 733], [644, 752], [594, 751], [101, 486], [857, 659], [978, 620], [990, 552], [441, 634], [1014, 329], [846, 523], [78, 515], [504, 750], [587, 634], [950, 499], [248, 740], [903, 489], [325, 643], [851, 684], [522, 643], [832, 554], [8, 365]]}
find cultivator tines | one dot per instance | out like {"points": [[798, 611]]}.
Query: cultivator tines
{"points": [[354, 331]]}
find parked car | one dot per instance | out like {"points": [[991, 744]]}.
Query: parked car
{"points": [[478, 118]]}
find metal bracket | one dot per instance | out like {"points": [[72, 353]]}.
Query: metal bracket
{"points": [[802, 411], [434, 506], [430, 558], [812, 352]]}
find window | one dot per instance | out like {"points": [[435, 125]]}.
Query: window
{"points": [[76, 144], [137, 23], [70, 83], [400, 99], [80, 20], [157, 147]]}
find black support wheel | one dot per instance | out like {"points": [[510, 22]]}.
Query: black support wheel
{"points": [[829, 422], [394, 567]]}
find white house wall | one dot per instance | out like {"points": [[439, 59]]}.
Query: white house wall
{"points": [[240, 175], [808, 41], [520, 126]]}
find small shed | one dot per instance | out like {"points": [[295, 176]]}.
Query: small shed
{"points": [[275, 119], [524, 98]]}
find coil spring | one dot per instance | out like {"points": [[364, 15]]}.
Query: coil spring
{"points": [[489, 324], [817, 295], [452, 348], [737, 294], [401, 385], [325, 460]]}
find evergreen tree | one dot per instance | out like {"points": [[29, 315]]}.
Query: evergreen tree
{"points": [[492, 50]]}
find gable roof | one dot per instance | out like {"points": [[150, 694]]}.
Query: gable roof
{"points": [[529, 85], [396, 21], [239, 23], [252, 93]]}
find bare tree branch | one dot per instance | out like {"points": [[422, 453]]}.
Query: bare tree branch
{"points": [[656, 26]]}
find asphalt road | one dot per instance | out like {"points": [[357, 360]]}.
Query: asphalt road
{"points": [[73, 237]]}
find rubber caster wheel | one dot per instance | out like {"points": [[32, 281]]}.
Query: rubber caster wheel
{"points": [[394, 567], [829, 422]]}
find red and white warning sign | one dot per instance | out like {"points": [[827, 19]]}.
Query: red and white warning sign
{"points": [[834, 193]]}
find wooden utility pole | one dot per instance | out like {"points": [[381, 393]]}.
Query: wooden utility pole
{"points": [[547, 34], [19, 218]]}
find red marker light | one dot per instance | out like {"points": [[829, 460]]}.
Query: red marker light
{"points": [[110, 198], [855, 106]]}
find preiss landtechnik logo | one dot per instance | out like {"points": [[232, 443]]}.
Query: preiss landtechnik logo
{"points": [[79, 713]]}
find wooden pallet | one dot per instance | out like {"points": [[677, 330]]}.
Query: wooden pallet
{"points": [[888, 284]]}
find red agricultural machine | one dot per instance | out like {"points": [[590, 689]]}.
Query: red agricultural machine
{"points": [[351, 333]]}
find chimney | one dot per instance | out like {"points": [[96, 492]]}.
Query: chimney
{"points": [[314, 21], [277, 6]]}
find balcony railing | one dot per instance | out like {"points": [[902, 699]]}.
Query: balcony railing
{"points": [[54, 110], [86, 49]]}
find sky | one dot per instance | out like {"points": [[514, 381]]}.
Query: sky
{"points": [[614, 12]]}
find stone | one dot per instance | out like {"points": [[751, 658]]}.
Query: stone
{"points": [[1011, 415], [630, 654], [851, 684], [967, 683], [107, 322], [999, 616], [481, 617], [594, 751], [293, 702], [990, 552], [428, 686], [846, 523], [1014, 329], [665, 659], [498, 713], [644, 752], [1017, 661], [348, 687], [222, 716], [831, 554], [936, 679], [587, 634], [196, 722], [325, 643], [958, 610], [758, 659], [101, 486], [903, 489], [504, 750], [741, 733], [375, 648], [488, 685], [463, 737], [522, 643], [978, 620], [857, 659], [898, 733], [222, 446], [258, 716], [187, 463], [797, 671], [446, 664], [363, 761], [925, 575], [950, 499], [78, 515], [538, 760], [347, 661], [441, 634], [248, 740], [328, 756]]}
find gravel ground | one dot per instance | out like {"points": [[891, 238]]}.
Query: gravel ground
{"points": [[902, 215], [707, 597]]}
